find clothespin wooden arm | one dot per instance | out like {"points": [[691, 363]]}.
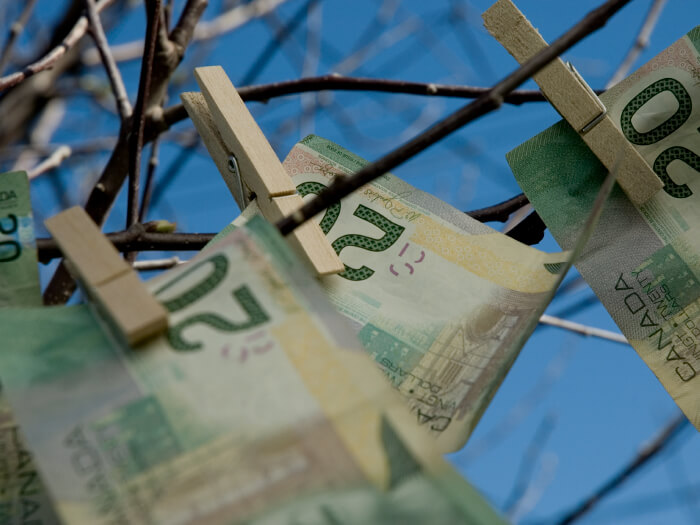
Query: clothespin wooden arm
{"points": [[241, 135], [575, 101], [248, 164], [132, 311]]}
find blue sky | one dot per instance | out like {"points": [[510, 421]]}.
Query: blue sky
{"points": [[588, 404]]}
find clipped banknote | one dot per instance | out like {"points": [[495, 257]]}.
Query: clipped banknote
{"points": [[643, 262], [19, 273], [441, 302], [23, 497], [258, 406]]}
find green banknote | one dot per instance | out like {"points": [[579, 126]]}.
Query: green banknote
{"points": [[19, 274], [23, 497], [258, 406], [643, 263], [441, 302]]}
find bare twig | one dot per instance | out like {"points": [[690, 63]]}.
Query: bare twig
{"points": [[46, 124], [224, 23], [528, 463], [275, 44], [169, 52], [48, 60], [157, 264], [153, 20], [150, 179], [583, 329], [647, 453], [479, 446], [15, 30], [115, 77], [640, 43], [52, 161], [264, 92], [136, 239], [499, 212], [314, 25], [343, 186]]}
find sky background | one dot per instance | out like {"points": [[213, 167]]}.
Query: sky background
{"points": [[573, 410]]}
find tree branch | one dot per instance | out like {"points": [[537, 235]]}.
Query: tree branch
{"points": [[168, 55], [224, 23], [115, 77], [153, 20], [133, 240], [15, 30], [48, 60], [641, 42], [341, 187], [264, 92], [52, 161], [647, 453], [499, 212], [588, 331]]}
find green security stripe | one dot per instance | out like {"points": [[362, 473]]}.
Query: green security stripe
{"points": [[694, 36]]}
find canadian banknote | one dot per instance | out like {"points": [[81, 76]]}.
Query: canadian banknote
{"points": [[23, 497], [442, 302], [19, 274], [643, 262], [258, 406]]}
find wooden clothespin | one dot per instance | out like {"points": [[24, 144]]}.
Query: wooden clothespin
{"points": [[248, 164], [575, 101], [108, 279]]}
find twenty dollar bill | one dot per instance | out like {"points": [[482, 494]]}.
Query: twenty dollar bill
{"points": [[23, 496], [256, 407], [643, 263], [441, 302]]}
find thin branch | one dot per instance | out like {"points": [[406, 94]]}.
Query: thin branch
{"points": [[275, 44], [48, 60], [264, 92], [478, 447], [640, 43], [157, 264], [647, 453], [499, 212], [115, 78], [343, 186], [150, 179], [583, 329], [52, 161], [224, 23], [15, 30], [528, 463], [105, 191], [135, 239], [153, 20]]}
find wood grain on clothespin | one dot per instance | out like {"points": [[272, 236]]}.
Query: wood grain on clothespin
{"points": [[230, 131], [240, 133], [107, 278], [575, 101]]}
